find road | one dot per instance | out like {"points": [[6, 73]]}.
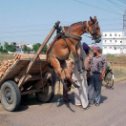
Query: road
{"points": [[112, 112]]}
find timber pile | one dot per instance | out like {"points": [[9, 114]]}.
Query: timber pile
{"points": [[5, 65]]}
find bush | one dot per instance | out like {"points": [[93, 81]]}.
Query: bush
{"points": [[36, 47]]}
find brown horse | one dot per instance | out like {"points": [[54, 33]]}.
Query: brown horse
{"points": [[69, 42]]}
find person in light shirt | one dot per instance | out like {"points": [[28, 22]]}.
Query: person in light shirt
{"points": [[98, 68]]}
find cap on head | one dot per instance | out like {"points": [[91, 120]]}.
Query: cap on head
{"points": [[86, 48], [97, 48]]}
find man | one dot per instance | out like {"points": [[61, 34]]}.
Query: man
{"points": [[98, 68], [87, 62], [81, 93]]}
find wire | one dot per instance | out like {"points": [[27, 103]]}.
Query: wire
{"points": [[94, 6], [114, 3], [121, 1]]}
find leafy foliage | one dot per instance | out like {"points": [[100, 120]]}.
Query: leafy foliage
{"points": [[36, 47], [26, 49], [9, 47]]}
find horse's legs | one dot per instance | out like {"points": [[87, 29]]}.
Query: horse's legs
{"points": [[57, 67], [76, 53]]}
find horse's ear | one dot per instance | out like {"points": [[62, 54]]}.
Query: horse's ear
{"points": [[66, 28], [95, 18], [91, 19]]}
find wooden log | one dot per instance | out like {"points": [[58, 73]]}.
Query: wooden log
{"points": [[6, 64], [38, 53]]}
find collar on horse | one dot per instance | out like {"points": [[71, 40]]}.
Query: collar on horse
{"points": [[67, 34], [75, 37]]}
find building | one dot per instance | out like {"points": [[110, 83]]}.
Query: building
{"points": [[114, 43], [20, 46]]}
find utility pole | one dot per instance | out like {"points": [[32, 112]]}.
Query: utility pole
{"points": [[124, 23], [124, 31]]}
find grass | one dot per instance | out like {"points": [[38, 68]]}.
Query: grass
{"points": [[117, 59], [6, 56], [119, 72], [118, 64]]}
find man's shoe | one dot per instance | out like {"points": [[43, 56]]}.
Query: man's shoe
{"points": [[91, 103], [78, 104], [97, 104]]}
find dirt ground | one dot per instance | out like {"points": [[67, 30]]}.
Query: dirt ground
{"points": [[111, 112]]}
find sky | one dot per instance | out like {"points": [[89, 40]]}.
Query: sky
{"points": [[29, 21]]}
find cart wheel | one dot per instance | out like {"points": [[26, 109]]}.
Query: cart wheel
{"points": [[10, 96], [46, 94], [109, 80], [111, 84]]}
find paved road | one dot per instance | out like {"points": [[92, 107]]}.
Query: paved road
{"points": [[112, 112]]}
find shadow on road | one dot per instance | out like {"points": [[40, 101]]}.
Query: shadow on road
{"points": [[103, 98], [58, 100], [31, 100]]}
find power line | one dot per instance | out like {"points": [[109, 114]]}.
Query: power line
{"points": [[121, 1], [94, 6], [114, 3]]}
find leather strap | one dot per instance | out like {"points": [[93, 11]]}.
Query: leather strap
{"points": [[76, 37]]}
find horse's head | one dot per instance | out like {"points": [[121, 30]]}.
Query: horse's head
{"points": [[94, 29], [80, 28]]}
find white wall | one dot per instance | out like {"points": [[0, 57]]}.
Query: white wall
{"points": [[113, 43]]}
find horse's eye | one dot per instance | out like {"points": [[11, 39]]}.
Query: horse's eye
{"points": [[97, 28]]}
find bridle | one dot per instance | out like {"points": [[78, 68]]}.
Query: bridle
{"points": [[85, 28], [93, 32], [68, 34]]}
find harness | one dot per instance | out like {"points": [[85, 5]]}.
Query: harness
{"points": [[67, 34], [62, 34]]}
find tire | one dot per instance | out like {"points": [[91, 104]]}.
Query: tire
{"points": [[46, 94], [109, 80], [111, 84], [10, 96]]}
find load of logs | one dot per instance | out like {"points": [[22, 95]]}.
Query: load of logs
{"points": [[5, 65]]}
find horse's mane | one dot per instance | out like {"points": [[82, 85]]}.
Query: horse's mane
{"points": [[65, 28], [77, 23]]}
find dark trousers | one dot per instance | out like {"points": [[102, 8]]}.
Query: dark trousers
{"points": [[95, 88]]}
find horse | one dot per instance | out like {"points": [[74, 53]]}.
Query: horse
{"points": [[69, 42]]}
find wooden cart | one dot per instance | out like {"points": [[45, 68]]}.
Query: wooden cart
{"points": [[26, 77], [40, 81]]}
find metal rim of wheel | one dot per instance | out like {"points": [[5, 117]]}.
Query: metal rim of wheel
{"points": [[10, 95], [109, 80]]}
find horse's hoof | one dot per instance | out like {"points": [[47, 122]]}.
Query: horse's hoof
{"points": [[59, 102]]}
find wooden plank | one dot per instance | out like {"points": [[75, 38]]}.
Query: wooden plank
{"points": [[39, 51], [20, 67], [31, 56]]}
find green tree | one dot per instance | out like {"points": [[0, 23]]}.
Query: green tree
{"points": [[9, 47], [1, 48], [26, 49], [36, 47], [45, 49]]}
